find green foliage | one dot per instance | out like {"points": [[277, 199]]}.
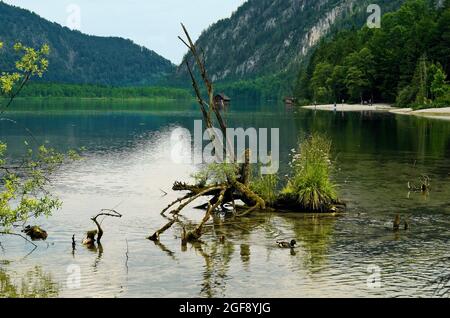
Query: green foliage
{"points": [[30, 63], [34, 283], [427, 89], [98, 91], [310, 183], [262, 88], [395, 63], [309, 187], [320, 82], [217, 173], [266, 187], [23, 184], [23, 191], [77, 57], [439, 86]]}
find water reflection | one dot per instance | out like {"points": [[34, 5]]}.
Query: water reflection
{"points": [[33, 284], [314, 233], [217, 258], [128, 161]]}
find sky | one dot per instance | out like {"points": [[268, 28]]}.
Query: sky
{"points": [[154, 24]]}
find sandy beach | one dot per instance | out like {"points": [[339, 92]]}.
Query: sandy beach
{"points": [[441, 113], [351, 108]]}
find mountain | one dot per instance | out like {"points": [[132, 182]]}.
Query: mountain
{"points": [[405, 62], [266, 37], [79, 58]]}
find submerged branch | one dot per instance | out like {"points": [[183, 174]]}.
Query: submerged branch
{"points": [[104, 212], [197, 233], [158, 233]]}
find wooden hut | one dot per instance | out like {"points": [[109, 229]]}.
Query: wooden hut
{"points": [[289, 100], [222, 99]]}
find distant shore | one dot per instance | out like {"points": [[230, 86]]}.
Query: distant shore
{"points": [[351, 108], [442, 113]]}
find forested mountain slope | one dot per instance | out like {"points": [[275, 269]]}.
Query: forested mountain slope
{"points": [[76, 57]]}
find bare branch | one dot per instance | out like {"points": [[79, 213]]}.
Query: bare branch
{"points": [[158, 233], [195, 197], [197, 233], [104, 212], [19, 235], [179, 200]]}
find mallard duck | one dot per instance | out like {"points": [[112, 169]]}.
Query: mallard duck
{"points": [[286, 244]]}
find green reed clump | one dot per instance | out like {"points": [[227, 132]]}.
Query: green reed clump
{"points": [[310, 184], [266, 187]]}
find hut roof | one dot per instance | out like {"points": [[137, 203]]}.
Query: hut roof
{"points": [[223, 97]]}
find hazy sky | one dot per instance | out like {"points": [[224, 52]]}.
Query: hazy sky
{"points": [[152, 23]]}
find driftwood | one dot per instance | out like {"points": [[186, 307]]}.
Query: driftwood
{"points": [[157, 234], [219, 195]]}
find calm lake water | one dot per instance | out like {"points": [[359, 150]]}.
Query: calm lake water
{"points": [[127, 162]]}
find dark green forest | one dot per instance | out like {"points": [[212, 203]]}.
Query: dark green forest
{"points": [[405, 62], [76, 57], [98, 91]]}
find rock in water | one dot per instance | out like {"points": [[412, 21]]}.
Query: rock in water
{"points": [[90, 238], [35, 232]]}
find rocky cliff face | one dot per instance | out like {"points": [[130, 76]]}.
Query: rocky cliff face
{"points": [[267, 36]]}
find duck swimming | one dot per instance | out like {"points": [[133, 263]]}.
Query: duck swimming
{"points": [[286, 244]]}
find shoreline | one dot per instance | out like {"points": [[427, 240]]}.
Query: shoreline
{"points": [[350, 108], [438, 113]]}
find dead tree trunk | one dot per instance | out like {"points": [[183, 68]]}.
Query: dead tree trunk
{"points": [[221, 193]]}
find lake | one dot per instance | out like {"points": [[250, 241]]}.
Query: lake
{"points": [[127, 166]]}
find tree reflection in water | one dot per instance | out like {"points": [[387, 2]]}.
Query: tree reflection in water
{"points": [[34, 284], [314, 235]]}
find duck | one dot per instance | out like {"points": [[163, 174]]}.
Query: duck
{"points": [[286, 244]]}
